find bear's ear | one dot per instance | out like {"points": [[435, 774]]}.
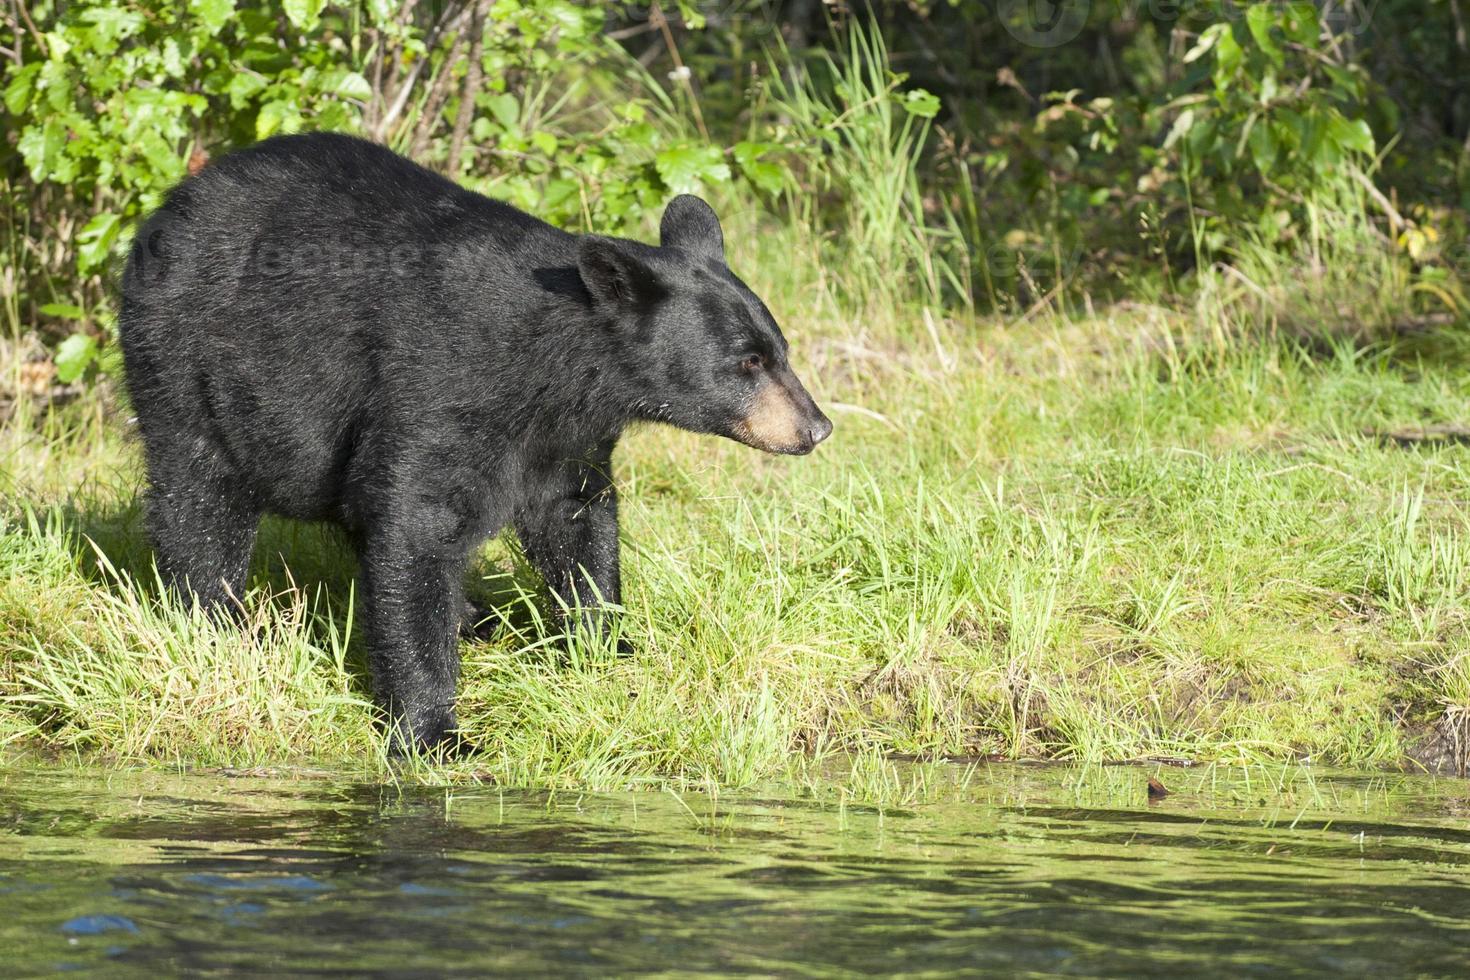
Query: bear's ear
{"points": [[614, 276], [690, 225]]}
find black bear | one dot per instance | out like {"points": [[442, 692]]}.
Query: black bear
{"points": [[319, 328]]}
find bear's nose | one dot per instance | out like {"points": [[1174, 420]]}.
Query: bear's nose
{"points": [[819, 429]]}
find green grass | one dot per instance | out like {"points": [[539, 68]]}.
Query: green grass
{"points": [[1098, 539]]}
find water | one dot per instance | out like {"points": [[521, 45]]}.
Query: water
{"points": [[1026, 871]]}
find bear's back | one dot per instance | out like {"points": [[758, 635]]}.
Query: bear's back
{"points": [[265, 303]]}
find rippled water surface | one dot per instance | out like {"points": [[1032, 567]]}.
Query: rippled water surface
{"points": [[1026, 870]]}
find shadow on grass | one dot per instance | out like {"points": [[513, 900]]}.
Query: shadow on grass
{"points": [[1409, 354], [295, 557]]}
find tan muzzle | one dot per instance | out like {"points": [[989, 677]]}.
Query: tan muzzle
{"points": [[782, 418]]}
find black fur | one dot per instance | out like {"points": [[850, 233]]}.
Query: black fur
{"points": [[318, 328]]}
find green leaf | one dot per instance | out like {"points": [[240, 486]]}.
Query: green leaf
{"points": [[920, 102], [162, 155], [1269, 87], [1387, 110], [335, 117], [686, 167], [1260, 18], [1302, 25], [558, 192], [57, 81], [1310, 129], [304, 13], [1228, 56], [41, 147], [111, 24], [506, 109], [1262, 143], [95, 241], [73, 355], [1286, 126], [1181, 126], [1350, 134], [690, 14], [174, 63], [22, 86], [343, 84], [1207, 40], [277, 116], [64, 311], [382, 11], [569, 19], [1203, 139], [242, 87], [213, 14], [764, 175], [1345, 85], [638, 134]]}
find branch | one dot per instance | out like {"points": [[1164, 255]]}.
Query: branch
{"points": [[439, 87], [400, 101], [473, 76], [656, 15], [25, 15], [1395, 220]]}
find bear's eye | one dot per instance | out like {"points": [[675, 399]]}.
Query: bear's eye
{"points": [[751, 363]]}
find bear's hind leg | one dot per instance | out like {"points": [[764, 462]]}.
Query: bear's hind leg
{"points": [[203, 528]]}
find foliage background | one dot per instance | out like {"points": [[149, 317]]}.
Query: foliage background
{"points": [[1119, 153]]}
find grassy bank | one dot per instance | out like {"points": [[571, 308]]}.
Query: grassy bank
{"points": [[1096, 536]]}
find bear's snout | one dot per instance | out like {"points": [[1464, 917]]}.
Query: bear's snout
{"points": [[782, 418], [819, 429]]}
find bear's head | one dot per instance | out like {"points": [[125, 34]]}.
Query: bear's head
{"points": [[701, 349]]}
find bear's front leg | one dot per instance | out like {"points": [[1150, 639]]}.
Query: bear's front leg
{"points": [[570, 536], [413, 604]]}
